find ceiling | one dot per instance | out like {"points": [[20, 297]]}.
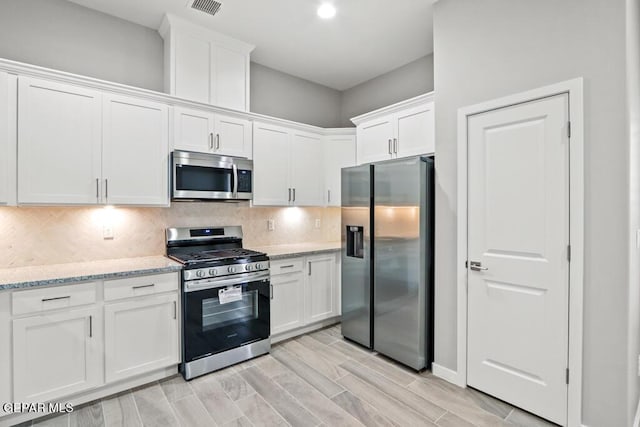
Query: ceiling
{"points": [[367, 38]]}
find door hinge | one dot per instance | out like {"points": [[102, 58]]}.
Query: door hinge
{"points": [[569, 129], [567, 376], [569, 253]]}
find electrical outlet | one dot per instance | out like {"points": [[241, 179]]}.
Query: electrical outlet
{"points": [[318, 223], [107, 232], [271, 225]]}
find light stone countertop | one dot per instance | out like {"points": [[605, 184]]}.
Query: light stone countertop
{"points": [[297, 249], [57, 274]]}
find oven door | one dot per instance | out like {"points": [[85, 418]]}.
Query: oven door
{"points": [[222, 314]]}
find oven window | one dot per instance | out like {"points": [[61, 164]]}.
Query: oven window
{"points": [[199, 178], [216, 314]]}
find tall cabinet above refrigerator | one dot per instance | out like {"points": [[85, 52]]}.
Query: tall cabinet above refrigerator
{"points": [[387, 258]]}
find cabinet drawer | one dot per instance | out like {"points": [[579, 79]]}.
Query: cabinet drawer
{"points": [[37, 300], [284, 266], [141, 285]]}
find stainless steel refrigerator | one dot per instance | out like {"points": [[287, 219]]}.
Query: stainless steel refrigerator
{"points": [[387, 258]]}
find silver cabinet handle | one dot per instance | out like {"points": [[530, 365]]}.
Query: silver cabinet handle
{"points": [[287, 266], [271, 292], [175, 310], [395, 145], [56, 298], [477, 266], [328, 196], [144, 286], [289, 195], [211, 141], [90, 326], [390, 152], [217, 141], [294, 195], [98, 189], [309, 268], [106, 189]]}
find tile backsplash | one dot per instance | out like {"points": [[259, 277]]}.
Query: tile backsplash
{"points": [[54, 235]]}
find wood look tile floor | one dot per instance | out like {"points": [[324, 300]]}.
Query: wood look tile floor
{"points": [[318, 379]]}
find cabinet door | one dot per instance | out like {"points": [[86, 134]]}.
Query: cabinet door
{"points": [[270, 165], [307, 169], [192, 68], [8, 138], [232, 136], [375, 140], [135, 152], [229, 78], [193, 130], [287, 305], [320, 294], [59, 143], [56, 355], [339, 152], [5, 349], [141, 335], [415, 131]]}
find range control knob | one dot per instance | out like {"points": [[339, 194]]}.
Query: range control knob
{"points": [[212, 272], [248, 267], [200, 273], [258, 266], [231, 269]]}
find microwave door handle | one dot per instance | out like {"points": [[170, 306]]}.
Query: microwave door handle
{"points": [[235, 181]]}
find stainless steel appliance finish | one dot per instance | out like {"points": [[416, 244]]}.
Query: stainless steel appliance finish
{"points": [[394, 293], [226, 298], [201, 176], [356, 267]]}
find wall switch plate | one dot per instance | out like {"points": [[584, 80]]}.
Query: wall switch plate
{"points": [[107, 232], [317, 223], [271, 225]]}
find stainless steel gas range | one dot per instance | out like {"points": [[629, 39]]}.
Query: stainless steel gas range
{"points": [[225, 300]]}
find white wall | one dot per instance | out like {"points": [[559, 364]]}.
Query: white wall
{"points": [[278, 94], [64, 36], [412, 79], [485, 50]]}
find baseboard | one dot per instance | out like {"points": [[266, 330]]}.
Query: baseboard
{"points": [[304, 330], [447, 375]]}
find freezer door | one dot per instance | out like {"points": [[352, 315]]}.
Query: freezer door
{"points": [[399, 261], [356, 254]]}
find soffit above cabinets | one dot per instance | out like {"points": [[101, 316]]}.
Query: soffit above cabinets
{"points": [[367, 38]]}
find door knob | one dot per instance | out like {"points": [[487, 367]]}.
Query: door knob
{"points": [[477, 266]]}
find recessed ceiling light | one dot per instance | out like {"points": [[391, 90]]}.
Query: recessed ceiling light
{"points": [[326, 11]]}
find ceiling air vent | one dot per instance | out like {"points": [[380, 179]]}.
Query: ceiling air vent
{"points": [[207, 6]]}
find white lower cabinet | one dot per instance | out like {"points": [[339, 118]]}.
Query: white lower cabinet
{"points": [[56, 355], [287, 305], [141, 335], [320, 288], [305, 292]]}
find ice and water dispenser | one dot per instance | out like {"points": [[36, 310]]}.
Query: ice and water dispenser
{"points": [[355, 241]]}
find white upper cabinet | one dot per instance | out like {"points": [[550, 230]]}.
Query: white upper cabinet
{"points": [[205, 66], [400, 130], [288, 166], [8, 136], [271, 160], [135, 152], [307, 169], [207, 132], [59, 143], [339, 152]]}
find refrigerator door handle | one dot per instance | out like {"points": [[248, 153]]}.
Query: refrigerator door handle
{"points": [[390, 152]]}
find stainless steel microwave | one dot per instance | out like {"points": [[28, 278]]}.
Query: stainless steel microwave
{"points": [[200, 176]]}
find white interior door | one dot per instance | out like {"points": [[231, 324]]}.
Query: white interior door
{"points": [[519, 232]]}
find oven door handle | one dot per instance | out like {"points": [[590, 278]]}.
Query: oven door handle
{"points": [[201, 285]]}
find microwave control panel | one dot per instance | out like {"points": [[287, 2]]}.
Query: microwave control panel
{"points": [[244, 181]]}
